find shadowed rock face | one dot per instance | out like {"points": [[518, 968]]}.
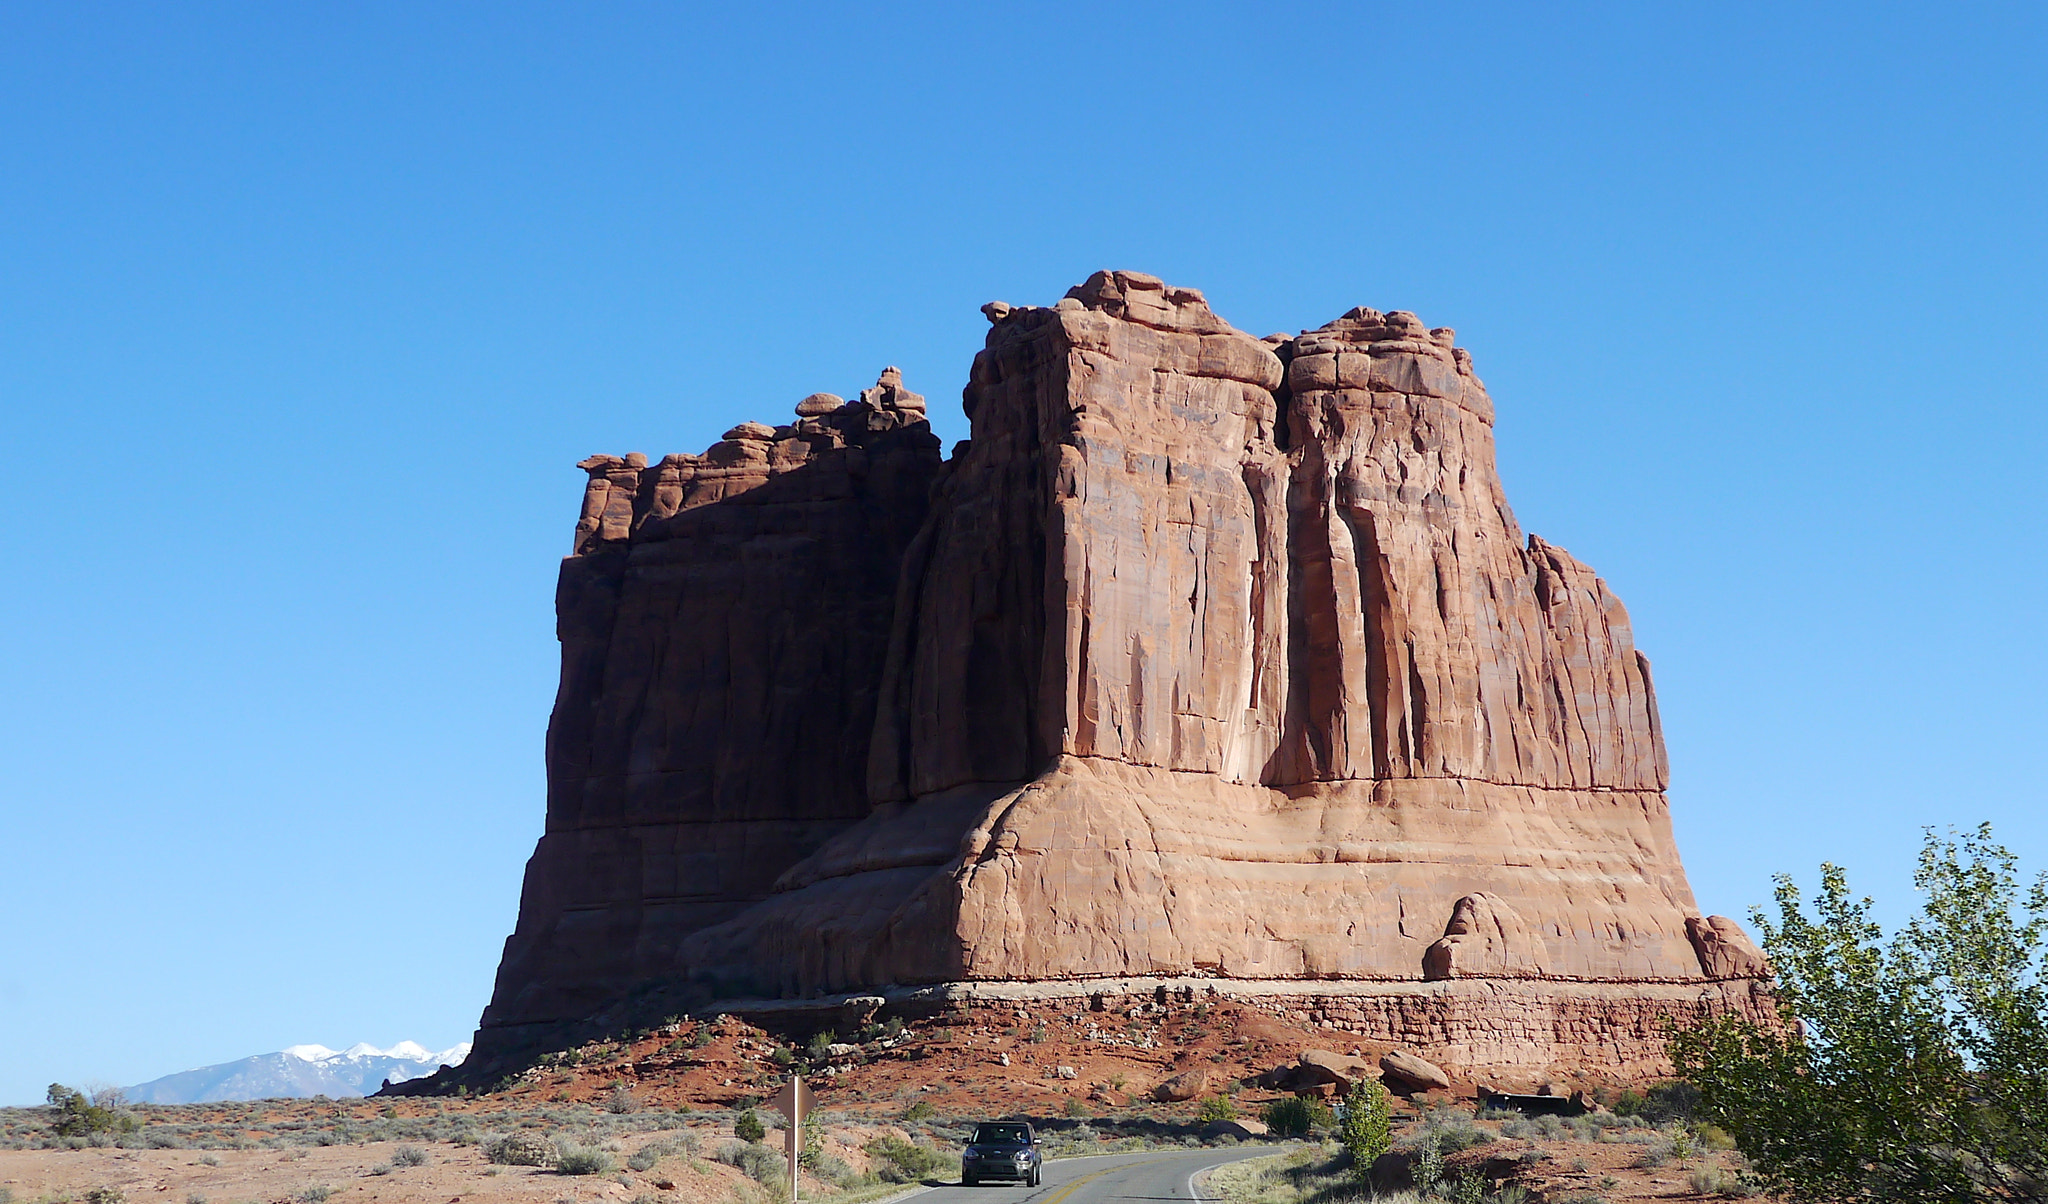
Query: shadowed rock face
{"points": [[1210, 654], [723, 624]]}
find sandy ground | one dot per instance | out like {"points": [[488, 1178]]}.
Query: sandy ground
{"points": [[452, 1173]]}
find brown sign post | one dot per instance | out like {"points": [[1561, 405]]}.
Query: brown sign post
{"points": [[794, 1102]]}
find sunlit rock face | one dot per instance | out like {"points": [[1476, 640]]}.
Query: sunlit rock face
{"points": [[1207, 655]]}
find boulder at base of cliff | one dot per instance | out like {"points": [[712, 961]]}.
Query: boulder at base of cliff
{"points": [[1316, 1066], [1184, 1086], [1407, 1071]]}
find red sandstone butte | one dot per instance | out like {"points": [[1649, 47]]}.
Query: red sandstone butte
{"points": [[1209, 659]]}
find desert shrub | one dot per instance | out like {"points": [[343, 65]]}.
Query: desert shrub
{"points": [[520, 1149], [577, 1159], [819, 1043], [1535, 1128], [1216, 1107], [834, 1170], [646, 1157], [748, 1127], [1667, 1102], [105, 1195], [319, 1193], [1428, 1168], [619, 1100], [1075, 1107], [1448, 1132], [1367, 1126], [1707, 1180], [1296, 1116], [900, 1161], [1655, 1155], [920, 1110], [409, 1155], [761, 1164]]}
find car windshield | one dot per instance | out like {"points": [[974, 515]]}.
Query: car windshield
{"points": [[1001, 1134]]}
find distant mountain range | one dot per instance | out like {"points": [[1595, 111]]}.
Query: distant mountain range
{"points": [[299, 1072]]}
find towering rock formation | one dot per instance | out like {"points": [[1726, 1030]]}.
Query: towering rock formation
{"points": [[723, 622], [1214, 656]]}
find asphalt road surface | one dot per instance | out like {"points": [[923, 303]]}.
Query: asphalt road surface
{"points": [[1152, 1175]]}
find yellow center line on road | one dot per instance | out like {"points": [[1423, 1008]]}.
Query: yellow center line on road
{"points": [[1060, 1196]]}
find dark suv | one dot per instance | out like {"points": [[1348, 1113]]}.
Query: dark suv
{"points": [[1001, 1150]]}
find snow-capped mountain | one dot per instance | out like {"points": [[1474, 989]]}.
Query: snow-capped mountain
{"points": [[298, 1072]]}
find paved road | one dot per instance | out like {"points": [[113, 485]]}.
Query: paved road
{"points": [[1104, 1179]]}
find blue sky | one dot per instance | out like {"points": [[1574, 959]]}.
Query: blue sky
{"points": [[307, 313]]}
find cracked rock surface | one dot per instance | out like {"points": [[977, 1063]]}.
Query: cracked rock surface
{"points": [[1207, 654]]}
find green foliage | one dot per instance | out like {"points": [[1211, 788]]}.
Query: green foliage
{"points": [[920, 1110], [583, 1160], [409, 1155], [1429, 1167], [760, 1163], [900, 1161], [1908, 1069], [1216, 1107], [748, 1127], [1666, 1102], [619, 1100], [77, 1116], [818, 1045], [1367, 1128], [1296, 1116], [520, 1149]]}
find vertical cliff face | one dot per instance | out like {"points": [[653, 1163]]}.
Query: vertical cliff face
{"points": [[1227, 654], [723, 620], [1210, 655]]}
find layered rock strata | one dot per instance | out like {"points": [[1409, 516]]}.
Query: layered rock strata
{"points": [[723, 621], [1212, 655]]}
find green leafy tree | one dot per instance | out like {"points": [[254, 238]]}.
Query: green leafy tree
{"points": [[1215, 1108], [1914, 1068], [1367, 1126]]}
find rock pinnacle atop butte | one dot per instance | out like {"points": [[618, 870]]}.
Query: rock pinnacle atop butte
{"points": [[1209, 658]]}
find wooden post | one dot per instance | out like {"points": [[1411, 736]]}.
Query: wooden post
{"points": [[794, 1102]]}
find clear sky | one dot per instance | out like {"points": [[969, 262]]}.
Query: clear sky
{"points": [[308, 311]]}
